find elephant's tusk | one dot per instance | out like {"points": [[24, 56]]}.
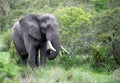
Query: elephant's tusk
{"points": [[64, 49], [50, 45]]}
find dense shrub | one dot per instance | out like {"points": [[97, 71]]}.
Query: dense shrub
{"points": [[8, 70], [100, 5], [75, 61], [102, 57], [116, 49], [74, 24], [9, 47], [105, 49], [14, 57], [7, 38]]}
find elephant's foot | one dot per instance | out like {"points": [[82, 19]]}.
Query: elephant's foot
{"points": [[42, 64], [24, 62]]}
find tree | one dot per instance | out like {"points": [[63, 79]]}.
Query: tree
{"points": [[4, 9], [106, 48], [74, 25]]}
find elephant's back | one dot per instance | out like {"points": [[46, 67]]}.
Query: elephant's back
{"points": [[18, 39]]}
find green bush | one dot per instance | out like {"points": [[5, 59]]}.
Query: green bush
{"points": [[74, 24], [68, 62], [6, 41], [100, 52], [100, 5], [102, 58], [105, 47], [14, 57], [116, 49], [8, 46], [8, 70]]}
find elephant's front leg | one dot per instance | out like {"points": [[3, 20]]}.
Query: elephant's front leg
{"points": [[43, 56], [37, 58], [33, 55]]}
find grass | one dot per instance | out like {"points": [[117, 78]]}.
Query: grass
{"points": [[60, 75], [8, 70], [53, 73]]}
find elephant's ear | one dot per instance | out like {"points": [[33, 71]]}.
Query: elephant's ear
{"points": [[30, 24]]}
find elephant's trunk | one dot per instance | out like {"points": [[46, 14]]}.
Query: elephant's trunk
{"points": [[52, 54], [54, 47]]}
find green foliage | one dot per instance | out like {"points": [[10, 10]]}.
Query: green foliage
{"points": [[114, 3], [60, 70], [105, 49], [68, 62], [102, 59], [14, 57], [8, 70], [75, 61], [20, 4], [4, 9], [116, 49], [9, 46], [100, 5], [6, 40], [74, 23], [41, 3]]}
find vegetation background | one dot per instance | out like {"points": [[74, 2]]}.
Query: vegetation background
{"points": [[90, 31]]}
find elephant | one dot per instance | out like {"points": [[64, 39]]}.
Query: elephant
{"points": [[33, 34]]}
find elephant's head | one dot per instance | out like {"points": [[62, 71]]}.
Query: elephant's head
{"points": [[49, 27], [38, 25]]}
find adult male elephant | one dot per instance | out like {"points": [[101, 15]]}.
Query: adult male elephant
{"points": [[32, 33]]}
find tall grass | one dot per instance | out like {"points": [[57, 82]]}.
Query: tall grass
{"points": [[55, 72], [60, 75]]}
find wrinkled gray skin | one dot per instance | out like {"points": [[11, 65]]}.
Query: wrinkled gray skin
{"points": [[30, 34]]}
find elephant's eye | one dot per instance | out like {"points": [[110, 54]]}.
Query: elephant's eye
{"points": [[44, 21], [48, 26]]}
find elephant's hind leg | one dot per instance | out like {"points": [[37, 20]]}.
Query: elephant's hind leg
{"points": [[24, 59]]}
